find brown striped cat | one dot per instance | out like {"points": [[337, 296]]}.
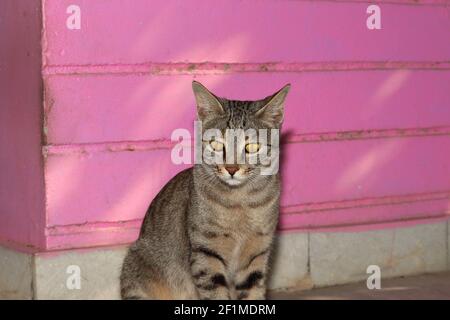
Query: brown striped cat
{"points": [[208, 233]]}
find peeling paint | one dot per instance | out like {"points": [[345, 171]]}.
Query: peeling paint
{"points": [[191, 67], [367, 202], [205, 68]]}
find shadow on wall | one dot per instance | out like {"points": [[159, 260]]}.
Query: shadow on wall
{"points": [[99, 184]]}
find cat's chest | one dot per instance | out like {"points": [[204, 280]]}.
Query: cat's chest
{"points": [[244, 219], [240, 211]]}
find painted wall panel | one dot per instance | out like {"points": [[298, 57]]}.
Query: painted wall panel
{"points": [[91, 109], [318, 172], [242, 31], [118, 186], [104, 186]]}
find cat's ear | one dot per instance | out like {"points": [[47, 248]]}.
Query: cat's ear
{"points": [[273, 110], [207, 103]]}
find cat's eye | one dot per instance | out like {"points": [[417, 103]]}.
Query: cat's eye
{"points": [[252, 147], [216, 145]]}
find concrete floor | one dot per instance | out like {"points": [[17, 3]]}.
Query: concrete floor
{"points": [[432, 286]]}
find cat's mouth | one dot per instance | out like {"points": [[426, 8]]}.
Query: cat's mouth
{"points": [[232, 176]]}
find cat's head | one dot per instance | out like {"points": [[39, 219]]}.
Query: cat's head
{"points": [[234, 147]]}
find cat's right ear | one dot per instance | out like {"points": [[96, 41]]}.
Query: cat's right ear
{"points": [[207, 103]]}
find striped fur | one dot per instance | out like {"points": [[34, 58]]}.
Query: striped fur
{"points": [[203, 238]]}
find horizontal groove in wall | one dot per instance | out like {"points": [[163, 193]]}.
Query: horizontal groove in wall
{"points": [[368, 202], [117, 226], [120, 146], [205, 68], [93, 227]]}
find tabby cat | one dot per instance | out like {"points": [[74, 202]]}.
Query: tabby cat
{"points": [[208, 233]]}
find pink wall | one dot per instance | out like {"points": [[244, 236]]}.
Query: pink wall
{"points": [[367, 120], [22, 209]]}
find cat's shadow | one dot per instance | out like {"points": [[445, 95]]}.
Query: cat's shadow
{"points": [[284, 140]]}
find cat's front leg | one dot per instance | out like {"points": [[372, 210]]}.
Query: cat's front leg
{"points": [[208, 269], [253, 287], [250, 283]]}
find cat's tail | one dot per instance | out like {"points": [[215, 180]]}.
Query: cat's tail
{"points": [[129, 278]]}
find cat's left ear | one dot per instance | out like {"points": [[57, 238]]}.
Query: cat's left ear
{"points": [[273, 111]]}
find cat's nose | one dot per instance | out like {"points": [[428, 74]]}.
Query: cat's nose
{"points": [[232, 169]]}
